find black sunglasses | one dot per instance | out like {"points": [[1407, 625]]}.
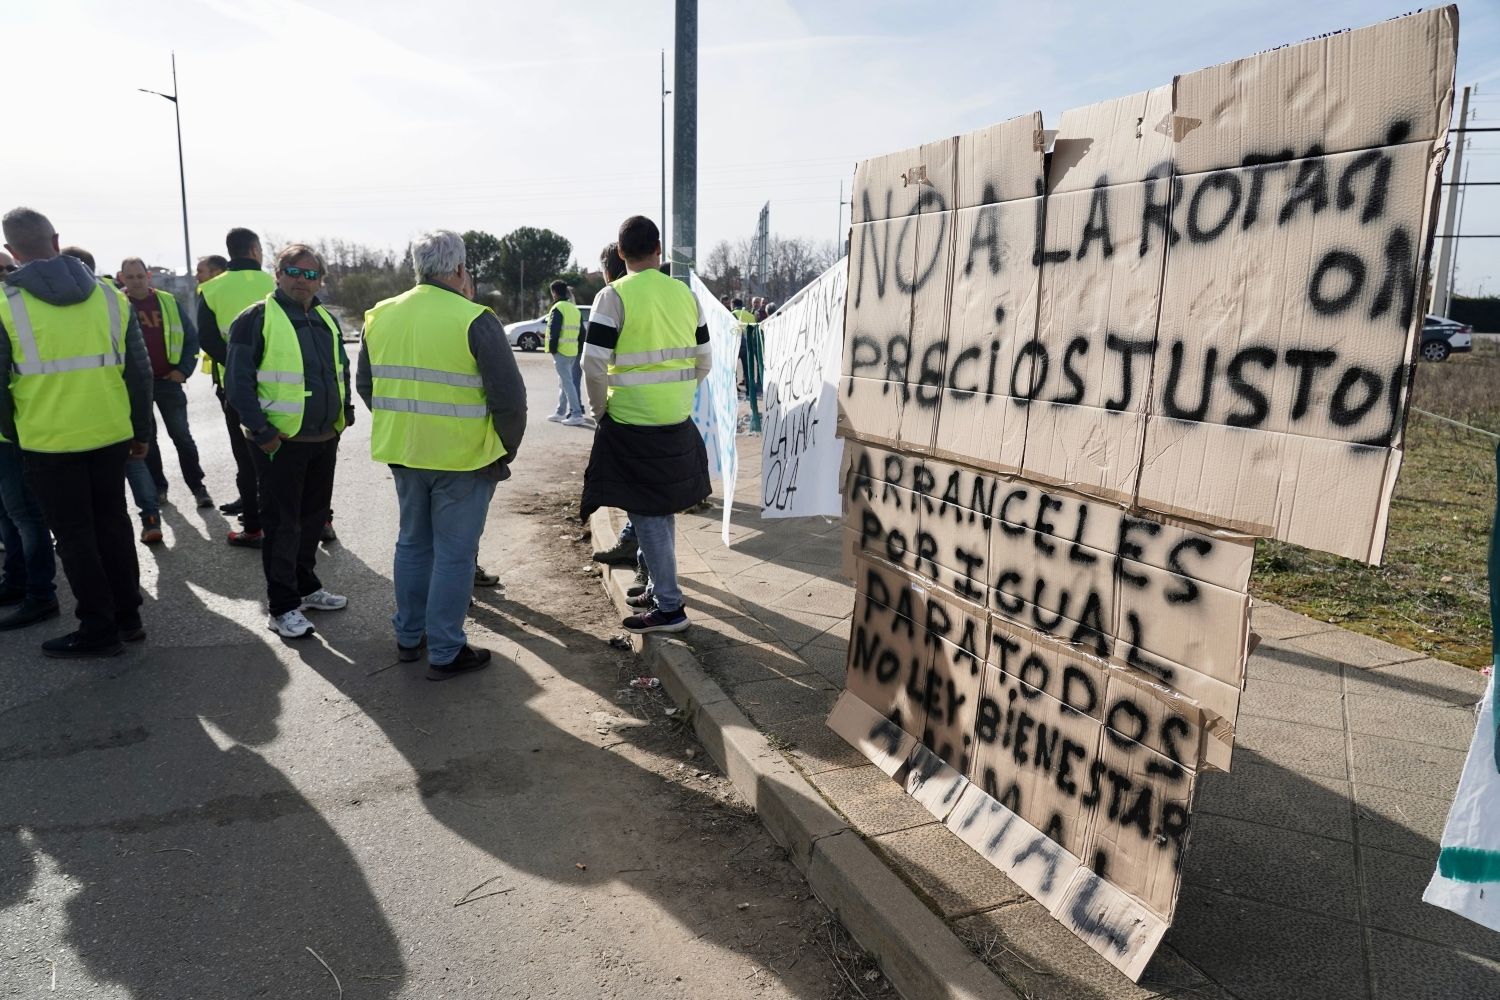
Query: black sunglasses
{"points": [[310, 273], [8, 268]]}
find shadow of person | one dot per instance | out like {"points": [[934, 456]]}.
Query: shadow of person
{"points": [[140, 806]]}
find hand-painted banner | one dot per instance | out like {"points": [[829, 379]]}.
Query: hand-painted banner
{"points": [[716, 407], [800, 455]]}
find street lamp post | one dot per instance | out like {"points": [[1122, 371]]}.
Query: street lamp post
{"points": [[187, 249], [664, 93]]}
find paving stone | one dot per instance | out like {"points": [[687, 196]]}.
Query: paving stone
{"points": [[1439, 725], [782, 699], [1303, 749], [1277, 797], [1420, 680], [1353, 649], [1275, 661], [837, 634], [873, 802], [1289, 703], [731, 665], [1406, 822], [1045, 961], [1274, 866], [1393, 888], [1405, 969], [1274, 622], [730, 630], [814, 747], [959, 880], [832, 598], [1408, 767], [831, 662], [794, 626], [1258, 951]]}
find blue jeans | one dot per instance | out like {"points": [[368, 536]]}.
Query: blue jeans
{"points": [[567, 397], [442, 517], [578, 376], [657, 537], [142, 486], [29, 561], [171, 402]]}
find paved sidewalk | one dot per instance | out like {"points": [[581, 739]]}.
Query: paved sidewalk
{"points": [[1306, 865]]}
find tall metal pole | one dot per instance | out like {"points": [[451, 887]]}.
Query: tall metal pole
{"points": [[685, 141], [664, 93], [187, 249], [1440, 284], [838, 231], [1453, 257]]}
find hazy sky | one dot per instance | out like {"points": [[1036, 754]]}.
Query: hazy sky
{"points": [[372, 121]]}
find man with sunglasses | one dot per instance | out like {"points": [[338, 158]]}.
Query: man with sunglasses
{"points": [[220, 299], [288, 381]]}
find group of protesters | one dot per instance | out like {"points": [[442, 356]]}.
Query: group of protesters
{"points": [[84, 359]]}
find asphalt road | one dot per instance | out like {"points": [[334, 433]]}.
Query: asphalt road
{"points": [[220, 812]]}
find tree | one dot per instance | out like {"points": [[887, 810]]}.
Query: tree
{"points": [[793, 263], [483, 252], [526, 262]]}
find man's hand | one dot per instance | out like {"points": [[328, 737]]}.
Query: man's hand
{"points": [[176, 376], [139, 449], [272, 446]]}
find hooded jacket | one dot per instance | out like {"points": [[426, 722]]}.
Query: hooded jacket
{"points": [[66, 281]]}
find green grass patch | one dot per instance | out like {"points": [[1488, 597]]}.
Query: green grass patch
{"points": [[1431, 594]]}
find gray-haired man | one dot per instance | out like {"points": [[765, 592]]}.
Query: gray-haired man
{"points": [[448, 412]]}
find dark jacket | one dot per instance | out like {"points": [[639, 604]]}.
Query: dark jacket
{"points": [[247, 345], [504, 389], [63, 281], [211, 337], [645, 470], [187, 362]]}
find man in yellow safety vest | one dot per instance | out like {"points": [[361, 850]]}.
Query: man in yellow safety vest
{"points": [[75, 396], [563, 335], [288, 382], [646, 352], [448, 410]]}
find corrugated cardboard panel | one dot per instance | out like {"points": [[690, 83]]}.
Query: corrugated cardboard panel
{"points": [[921, 179], [1000, 163], [1111, 141]]}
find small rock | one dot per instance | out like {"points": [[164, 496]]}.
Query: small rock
{"points": [[1447, 579], [691, 753]]}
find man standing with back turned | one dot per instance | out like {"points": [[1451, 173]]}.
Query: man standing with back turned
{"points": [[647, 350], [75, 394], [562, 343], [448, 408]]}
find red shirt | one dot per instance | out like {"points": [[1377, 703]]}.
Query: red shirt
{"points": [[153, 329]]}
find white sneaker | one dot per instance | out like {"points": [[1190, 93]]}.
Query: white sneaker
{"points": [[575, 422], [291, 625], [556, 418], [322, 600]]}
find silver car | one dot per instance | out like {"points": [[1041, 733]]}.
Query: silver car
{"points": [[531, 335]]}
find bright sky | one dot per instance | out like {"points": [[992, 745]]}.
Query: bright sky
{"points": [[376, 120]]}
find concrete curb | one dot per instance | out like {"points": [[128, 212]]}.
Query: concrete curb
{"points": [[917, 951]]}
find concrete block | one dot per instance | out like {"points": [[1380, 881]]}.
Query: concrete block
{"points": [[1258, 951], [1305, 706], [732, 665], [831, 598], [1438, 725], [725, 631], [783, 699], [1277, 797], [1276, 661], [1403, 822], [873, 802], [814, 747], [1275, 622], [1303, 749], [1393, 889], [1353, 649], [1420, 680], [831, 662], [1274, 866], [956, 879], [1404, 969], [916, 950], [1408, 767]]}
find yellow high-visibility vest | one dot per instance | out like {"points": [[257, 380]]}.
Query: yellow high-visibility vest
{"points": [[567, 339], [653, 376], [280, 380], [227, 295]]}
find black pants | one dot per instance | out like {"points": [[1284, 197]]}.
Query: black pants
{"points": [[244, 466], [296, 487], [83, 497]]}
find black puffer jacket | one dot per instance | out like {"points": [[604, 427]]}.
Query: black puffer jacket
{"points": [[645, 470]]}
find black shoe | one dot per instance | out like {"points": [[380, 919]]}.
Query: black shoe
{"points": [[131, 629], [29, 612], [232, 507], [467, 659], [642, 600], [621, 555], [328, 535], [411, 654], [161, 494], [483, 578], [75, 646], [203, 499], [636, 591], [10, 598]]}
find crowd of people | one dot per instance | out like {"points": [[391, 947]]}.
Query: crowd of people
{"points": [[84, 360]]}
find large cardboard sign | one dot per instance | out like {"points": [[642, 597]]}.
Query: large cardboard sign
{"points": [[800, 454], [1082, 372]]}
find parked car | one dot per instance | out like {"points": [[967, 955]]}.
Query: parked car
{"points": [[1441, 337], [531, 335]]}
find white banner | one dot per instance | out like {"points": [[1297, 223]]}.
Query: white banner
{"points": [[716, 407], [1467, 880], [799, 455]]}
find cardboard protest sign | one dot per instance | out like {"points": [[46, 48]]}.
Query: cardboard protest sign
{"points": [[800, 456], [716, 407], [1082, 372]]}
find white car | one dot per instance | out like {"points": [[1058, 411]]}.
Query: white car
{"points": [[531, 335]]}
